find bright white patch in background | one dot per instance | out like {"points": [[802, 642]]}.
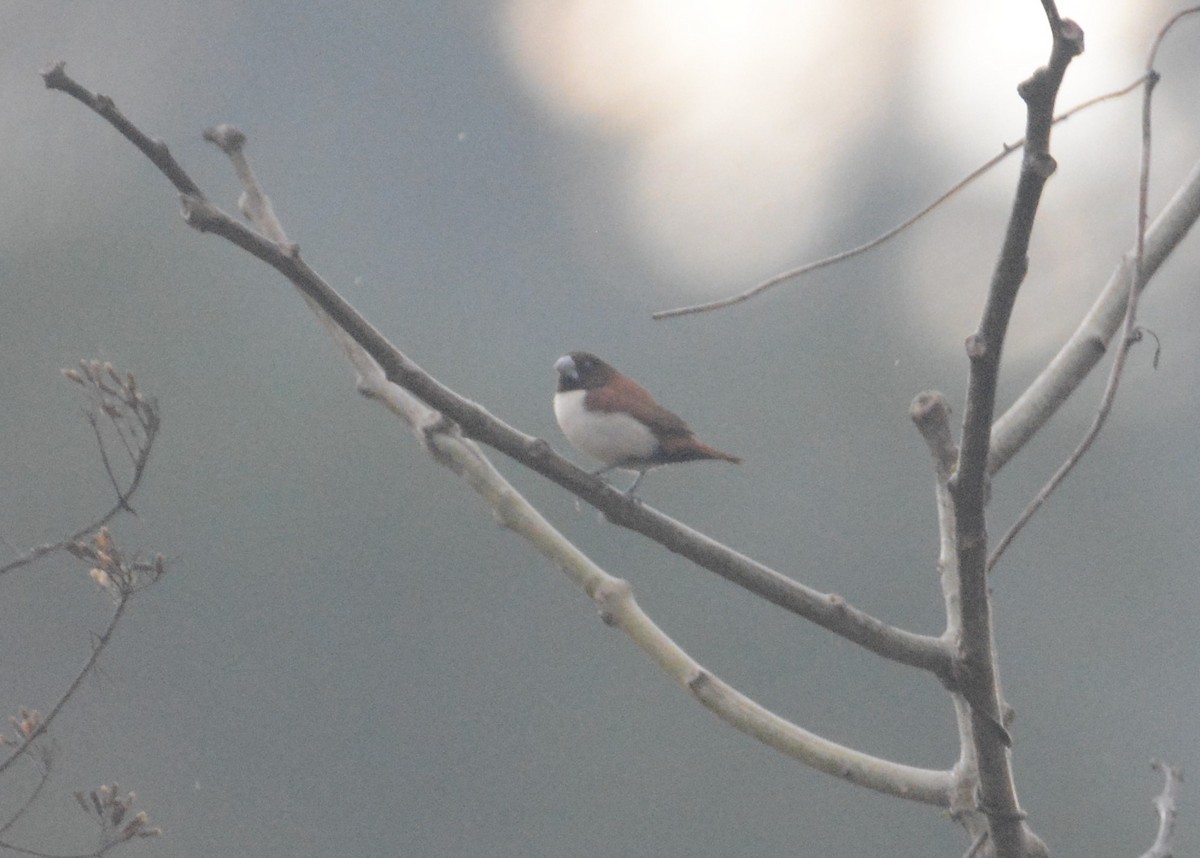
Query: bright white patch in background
{"points": [[735, 113], [738, 120], [972, 56]]}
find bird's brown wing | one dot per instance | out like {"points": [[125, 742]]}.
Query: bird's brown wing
{"points": [[624, 394]]}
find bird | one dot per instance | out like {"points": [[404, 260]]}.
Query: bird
{"points": [[615, 420]]}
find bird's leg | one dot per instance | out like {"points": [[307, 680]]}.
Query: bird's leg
{"points": [[629, 491]]}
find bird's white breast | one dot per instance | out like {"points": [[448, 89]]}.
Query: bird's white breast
{"points": [[610, 437]]}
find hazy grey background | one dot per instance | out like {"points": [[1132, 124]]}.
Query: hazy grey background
{"points": [[347, 657]]}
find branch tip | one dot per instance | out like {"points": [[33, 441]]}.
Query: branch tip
{"points": [[1070, 35], [930, 413], [55, 76], [228, 138]]}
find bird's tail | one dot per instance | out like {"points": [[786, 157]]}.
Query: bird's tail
{"points": [[688, 449]]}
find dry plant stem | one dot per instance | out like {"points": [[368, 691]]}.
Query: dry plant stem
{"points": [[827, 610], [978, 678], [1164, 840], [43, 779], [140, 459], [612, 596], [98, 647], [816, 265]]}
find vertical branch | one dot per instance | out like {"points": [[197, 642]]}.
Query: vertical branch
{"points": [[978, 678], [930, 413]]}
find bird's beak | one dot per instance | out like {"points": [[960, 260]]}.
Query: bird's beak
{"points": [[565, 367]]}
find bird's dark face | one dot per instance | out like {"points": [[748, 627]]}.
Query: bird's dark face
{"points": [[582, 371]]}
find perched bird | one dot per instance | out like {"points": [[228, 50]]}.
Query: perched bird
{"points": [[614, 419]]}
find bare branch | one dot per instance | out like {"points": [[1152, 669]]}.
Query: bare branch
{"points": [[121, 577], [827, 610], [979, 680], [56, 77], [1163, 846]]}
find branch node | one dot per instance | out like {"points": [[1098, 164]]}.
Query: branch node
{"points": [[1041, 164], [428, 430], [608, 596], [976, 346], [228, 138], [198, 213], [699, 682], [1070, 36], [538, 448]]}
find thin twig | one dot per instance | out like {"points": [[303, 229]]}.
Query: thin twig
{"points": [[143, 412], [97, 648], [976, 844], [33, 795], [112, 477], [809, 267], [1130, 334]]}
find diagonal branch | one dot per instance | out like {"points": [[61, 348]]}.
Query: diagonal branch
{"points": [[827, 610], [98, 647]]}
